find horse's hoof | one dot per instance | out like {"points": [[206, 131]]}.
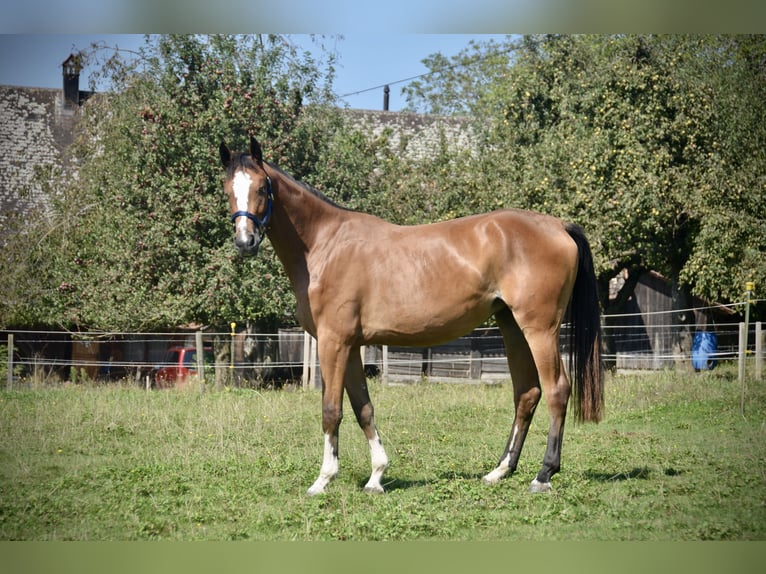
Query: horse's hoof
{"points": [[494, 477], [537, 486], [377, 489], [315, 490]]}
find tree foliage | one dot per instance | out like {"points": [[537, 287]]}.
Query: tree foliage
{"points": [[459, 86], [653, 143], [139, 236]]}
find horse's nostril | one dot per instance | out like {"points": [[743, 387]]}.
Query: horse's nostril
{"points": [[246, 242]]}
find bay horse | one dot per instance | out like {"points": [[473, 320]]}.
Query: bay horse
{"points": [[359, 280]]}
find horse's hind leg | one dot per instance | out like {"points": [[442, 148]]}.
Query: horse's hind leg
{"points": [[356, 387], [534, 360], [543, 342], [526, 392], [556, 387]]}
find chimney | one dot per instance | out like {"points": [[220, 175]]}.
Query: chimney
{"points": [[71, 68]]}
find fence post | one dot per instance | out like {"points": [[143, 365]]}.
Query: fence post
{"points": [[385, 364], [742, 353], [305, 373], [200, 360], [232, 378], [10, 361], [758, 351], [314, 380], [311, 376]]}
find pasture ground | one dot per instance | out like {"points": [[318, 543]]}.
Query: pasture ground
{"points": [[673, 460]]}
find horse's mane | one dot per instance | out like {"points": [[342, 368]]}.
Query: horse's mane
{"points": [[305, 186]]}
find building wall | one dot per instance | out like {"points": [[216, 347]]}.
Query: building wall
{"points": [[36, 128], [415, 135], [27, 142], [645, 333]]}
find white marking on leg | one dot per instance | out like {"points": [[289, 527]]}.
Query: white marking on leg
{"points": [[241, 187], [499, 472], [513, 438], [505, 465], [329, 468], [379, 460]]}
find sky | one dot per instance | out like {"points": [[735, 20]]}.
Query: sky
{"points": [[366, 60]]}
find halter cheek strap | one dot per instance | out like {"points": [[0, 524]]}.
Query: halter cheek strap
{"points": [[260, 223]]}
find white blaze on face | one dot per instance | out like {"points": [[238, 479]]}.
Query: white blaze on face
{"points": [[241, 186]]}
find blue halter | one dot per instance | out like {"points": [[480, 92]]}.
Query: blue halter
{"points": [[259, 223]]}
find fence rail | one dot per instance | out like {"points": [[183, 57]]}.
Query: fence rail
{"points": [[290, 354]]}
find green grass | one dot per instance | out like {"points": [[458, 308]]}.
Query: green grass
{"points": [[673, 460]]}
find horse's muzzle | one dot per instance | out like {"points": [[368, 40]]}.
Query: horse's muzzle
{"points": [[247, 243]]}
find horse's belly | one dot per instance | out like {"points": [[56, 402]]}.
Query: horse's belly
{"points": [[422, 323]]}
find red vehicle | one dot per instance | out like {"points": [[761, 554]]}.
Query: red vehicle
{"points": [[179, 366]]}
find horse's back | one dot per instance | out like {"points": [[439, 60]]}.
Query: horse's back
{"points": [[430, 283]]}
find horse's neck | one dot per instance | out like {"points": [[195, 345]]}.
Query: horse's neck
{"points": [[300, 222]]}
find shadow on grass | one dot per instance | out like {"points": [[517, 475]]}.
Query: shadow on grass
{"points": [[642, 472], [638, 473], [391, 484]]}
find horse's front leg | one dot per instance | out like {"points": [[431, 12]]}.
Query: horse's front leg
{"points": [[333, 360], [356, 387]]}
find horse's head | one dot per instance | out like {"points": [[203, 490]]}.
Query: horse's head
{"points": [[250, 197]]}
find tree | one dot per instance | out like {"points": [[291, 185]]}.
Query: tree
{"points": [[138, 237], [653, 143], [729, 246], [459, 86]]}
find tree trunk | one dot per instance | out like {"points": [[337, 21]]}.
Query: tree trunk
{"points": [[683, 323], [616, 305], [222, 349]]}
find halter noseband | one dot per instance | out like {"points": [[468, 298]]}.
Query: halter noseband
{"points": [[259, 223]]}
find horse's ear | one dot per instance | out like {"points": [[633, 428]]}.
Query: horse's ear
{"points": [[255, 150], [225, 154]]}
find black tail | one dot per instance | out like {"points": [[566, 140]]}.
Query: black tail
{"points": [[585, 366]]}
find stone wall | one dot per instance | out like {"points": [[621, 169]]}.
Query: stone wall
{"points": [[415, 135], [28, 133], [36, 128]]}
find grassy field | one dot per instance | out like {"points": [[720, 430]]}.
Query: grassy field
{"points": [[673, 460]]}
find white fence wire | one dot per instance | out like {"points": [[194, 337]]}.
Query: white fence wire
{"points": [[633, 340]]}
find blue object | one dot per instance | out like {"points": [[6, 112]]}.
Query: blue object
{"points": [[704, 348]]}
